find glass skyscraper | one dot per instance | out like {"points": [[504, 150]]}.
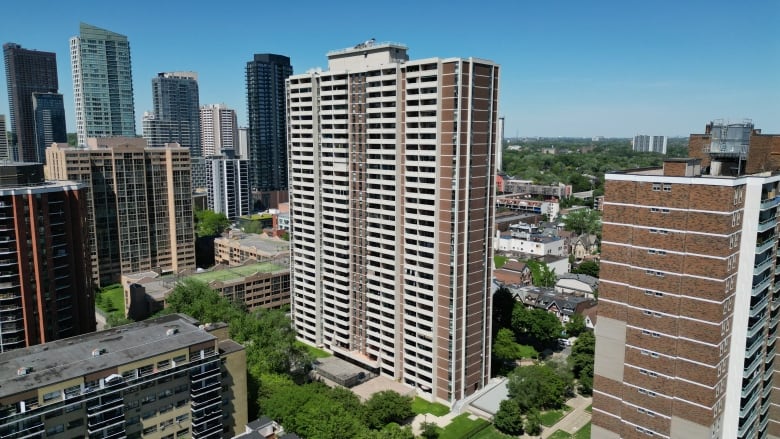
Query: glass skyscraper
{"points": [[49, 118], [28, 72], [265, 76], [102, 84]]}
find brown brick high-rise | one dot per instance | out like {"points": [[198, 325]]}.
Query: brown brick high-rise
{"points": [[45, 283], [689, 302]]}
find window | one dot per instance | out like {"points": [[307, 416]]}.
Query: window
{"points": [[51, 395], [659, 294], [648, 292], [656, 335], [657, 187], [653, 354], [667, 187], [647, 312]]}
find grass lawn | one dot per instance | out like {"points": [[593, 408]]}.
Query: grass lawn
{"points": [[111, 300], [461, 426], [491, 433], [420, 406], [500, 260], [583, 433], [589, 408], [314, 352], [551, 417], [560, 434], [528, 352]]}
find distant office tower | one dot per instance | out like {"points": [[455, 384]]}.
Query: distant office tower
{"points": [[392, 188], [243, 143], [45, 285], [49, 117], [139, 204], [689, 296], [159, 378], [5, 152], [265, 76], [176, 117], [228, 185], [218, 129], [643, 143], [102, 84], [29, 72]]}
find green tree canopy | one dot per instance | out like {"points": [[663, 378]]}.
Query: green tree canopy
{"points": [[385, 407], [576, 325], [533, 423], [503, 303], [583, 221], [537, 387], [505, 348], [210, 223], [536, 326], [429, 430], [509, 418], [591, 268], [581, 360], [541, 274]]}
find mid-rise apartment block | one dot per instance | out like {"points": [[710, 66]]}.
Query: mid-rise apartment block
{"points": [[139, 204], [645, 143], [218, 129], [45, 280], [29, 72], [689, 293], [392, 180], [161, 378], [238, 247], [102, 84]]}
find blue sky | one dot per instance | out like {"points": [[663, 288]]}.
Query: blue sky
{"points": [[569, 68]]}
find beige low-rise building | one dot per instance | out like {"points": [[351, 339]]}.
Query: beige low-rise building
{"points": [[238, 247], [255, 284]]}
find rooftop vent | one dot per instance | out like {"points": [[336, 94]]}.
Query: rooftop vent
{"points": [[23, 371], [98, 352], [171, 331]]}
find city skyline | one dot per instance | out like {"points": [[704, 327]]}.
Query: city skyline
{"points": [[569, 69]]}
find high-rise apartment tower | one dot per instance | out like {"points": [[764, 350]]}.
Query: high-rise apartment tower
{"points": [[689, 296], [645, 143], [45, 283], [392, 168], [139, 204], [228, 184], [29, 72], [265, 95], [218, 129], [102, 84], [176, 101]]}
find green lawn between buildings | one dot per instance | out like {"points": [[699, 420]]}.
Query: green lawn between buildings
{"points": [[500, 260], [551, 417], [420, 406], [111, 300]]}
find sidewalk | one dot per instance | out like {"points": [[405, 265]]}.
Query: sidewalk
{"points": [[441, 421], [574, 420]]}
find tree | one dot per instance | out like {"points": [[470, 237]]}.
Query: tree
{"points": [[539, 327], [503, 302], [210, 223], [583, 221], [387, 406], [113, 320], [508, 418], [533, 423], [505, 348], [195, 298], [537, 387], [582, 352], [541, 274], [575, 325], [591, 268], [429, 430]]}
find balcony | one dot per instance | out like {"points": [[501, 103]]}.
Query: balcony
{"points": [[749, 406], [761, 266], [757, 288], [765, 245], [759, 307], [748, 390], [769, 203], [767, 224], [748, 425]]}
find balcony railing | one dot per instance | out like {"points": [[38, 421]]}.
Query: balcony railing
{"points": [[765, 245], [769, 203], [757, 288], [767, 224], [760, 306], [761, 266]]}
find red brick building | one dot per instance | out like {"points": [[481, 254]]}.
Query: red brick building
{"points": [[688, 300], [45, 282]]}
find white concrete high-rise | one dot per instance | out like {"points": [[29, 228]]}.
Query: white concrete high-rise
{"points": [[228, 185], [218, 129], [645, 143], [392, 183]]}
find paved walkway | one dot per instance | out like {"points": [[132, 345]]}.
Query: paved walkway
{"points": [[574, 420], [441, 421]]}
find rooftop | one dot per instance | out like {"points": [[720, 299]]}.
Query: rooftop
{"points": [[261, 243], [70, 358], [232, 273]]}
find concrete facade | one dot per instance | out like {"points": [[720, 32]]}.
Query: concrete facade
{"points": [[392, 168]]}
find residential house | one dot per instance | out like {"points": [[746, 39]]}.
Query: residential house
{"points": [[584, 245], [577, 284], [513, 273]]}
